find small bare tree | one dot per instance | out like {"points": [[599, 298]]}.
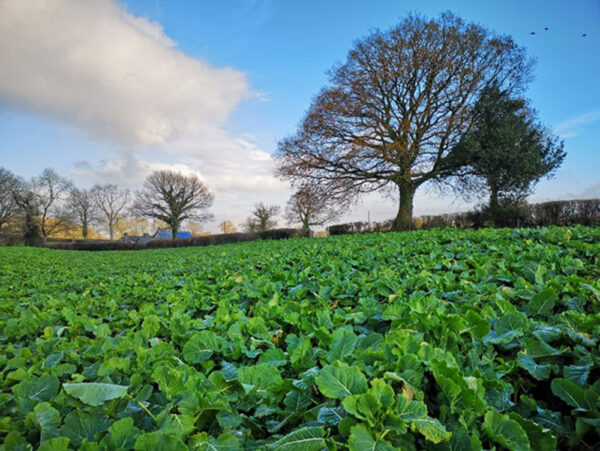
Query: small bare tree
{"points": [[9, 185], [227, 227], [82, 208], [310, 206], [48, 190], [173, 198], [111, 202], [262, 218]]}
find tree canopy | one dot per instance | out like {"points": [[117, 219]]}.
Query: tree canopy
{"points": [[262, 218], [395, 110], [112, 203], [507, 151], [174, 198], [310, 206]]}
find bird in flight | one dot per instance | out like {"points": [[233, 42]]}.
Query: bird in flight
{"points": [[546, 28], [583, 35], [533, 32]]}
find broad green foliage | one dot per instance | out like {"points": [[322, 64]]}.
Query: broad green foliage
{"points": [[449, 340], [95, 394]]}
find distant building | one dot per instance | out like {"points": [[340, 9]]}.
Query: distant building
{"points": [[127, 238], [167, 234], [159, 235]]}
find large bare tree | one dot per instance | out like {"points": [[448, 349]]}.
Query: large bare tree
{"points": [[82, 208], [174, 198], [397, 107], [111, 202], [310, 206], [9, 185]]}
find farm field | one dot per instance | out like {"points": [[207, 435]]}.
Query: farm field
{"points": [[423, 340]]}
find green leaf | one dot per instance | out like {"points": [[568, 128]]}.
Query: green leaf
{"points": [[151, 326], [382, 392], [540, 349], [32, 390], [47, 418], [79, 426], [344, 342], [94, 393], [339, 380], [122, 434], [159, 441], [178, 425], [577, 374], [263, 378], [362, 440], [538, 371], [410, 410], [201, 346], [297, 401], [331, 415], [302, 355], [476, 325], [304, 439], [55, 444], [432, 429], [515, 322], [506, 432], [542, 303], [539, 437], [204, 442], [364, 407], [274, 356], [570, 393]]}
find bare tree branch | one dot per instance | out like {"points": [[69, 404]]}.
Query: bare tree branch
{"points": [[111, 202]]}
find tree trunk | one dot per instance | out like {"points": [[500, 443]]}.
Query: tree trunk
{"points": [[110, 230], [174, 229], [493, 197], [494, 204], [84, 231], [306, 225], [403, 220]]}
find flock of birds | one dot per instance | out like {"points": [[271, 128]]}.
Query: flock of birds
{"points": [[547, 28]]}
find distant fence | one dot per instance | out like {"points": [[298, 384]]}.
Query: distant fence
{"points": [[562, 213], [206, 240]]}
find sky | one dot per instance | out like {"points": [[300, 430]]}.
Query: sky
{"points": [[106, 91]]}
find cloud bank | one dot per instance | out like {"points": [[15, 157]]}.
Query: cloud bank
{"points": [[119, 76], [122, 81]]}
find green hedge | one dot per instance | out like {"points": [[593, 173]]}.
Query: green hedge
{"points": [[208, 240]]}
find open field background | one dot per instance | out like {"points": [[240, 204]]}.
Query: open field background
{"points": [[424, 340]]}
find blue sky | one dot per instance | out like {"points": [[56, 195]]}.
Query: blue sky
{"points": [[278, 53]]}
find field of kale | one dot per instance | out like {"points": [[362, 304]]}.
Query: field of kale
{"points": [[445, 339]]}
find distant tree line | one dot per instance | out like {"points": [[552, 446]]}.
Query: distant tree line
{"points": [[50, 205]]}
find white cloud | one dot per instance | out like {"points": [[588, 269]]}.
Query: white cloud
{"points": [[92, 64], [570, 128], [125, 83]]}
